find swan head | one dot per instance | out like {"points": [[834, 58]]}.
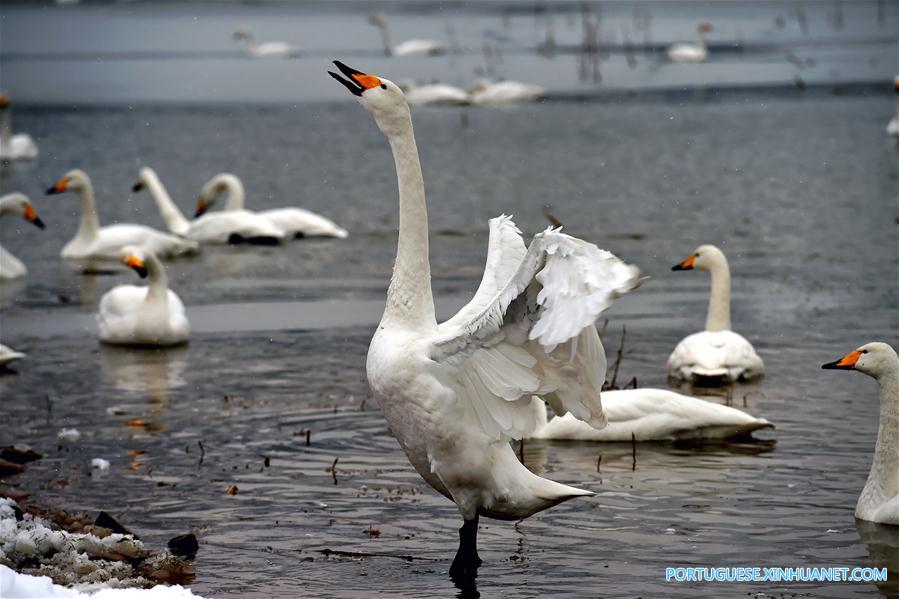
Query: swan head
{"points": [[896, 84], [703, 258], [873, 359], [74, 180], [377, 20], [242, 34], [4, 100], [133, 257], [214, 188], [381, 97], [18, 203], [704, 27], [143, 175]]}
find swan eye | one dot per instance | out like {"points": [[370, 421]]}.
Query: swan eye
{"points": [[864, 351], [383, 86]]}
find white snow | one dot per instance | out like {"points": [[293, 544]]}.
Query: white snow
{"points": [[14, 585]]}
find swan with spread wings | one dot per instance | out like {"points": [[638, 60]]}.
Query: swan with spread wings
{"points": [[455, 393]]}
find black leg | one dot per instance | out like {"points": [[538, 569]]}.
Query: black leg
{"points": [[465, 565]]}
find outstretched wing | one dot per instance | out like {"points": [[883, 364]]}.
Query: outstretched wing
{"points": [[530, 331]]}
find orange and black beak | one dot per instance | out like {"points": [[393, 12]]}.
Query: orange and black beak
{"points": [[60, 187], [202, 207], [31, 216], [355, 81], [847, 362], [686, 264], [135, 263]]}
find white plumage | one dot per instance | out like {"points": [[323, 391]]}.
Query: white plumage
{"points": [[265, 49], [691, 52], [651, 415], [13, 146], [106, 243], [505, 92], [411, 47], [18, 204], [434, 94], [9, 355], [716, 354], [893, 125], [455, 393], [143, 316]]}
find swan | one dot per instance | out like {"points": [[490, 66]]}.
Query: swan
{"points": [[651, 415], [505, 92], [95, 242], [16, 203], [13, 146], [266, 49], [717, 353], [434, 94], [879, 501], [455, 393], [893, 125], [692, 52], [413, 47], [151, 316], [230, 226], [9, 355], [296, 222]]}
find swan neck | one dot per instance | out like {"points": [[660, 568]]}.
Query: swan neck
{"points": [[90, 222], [6, 124], [173, 217], [885, 467], [385, 39], [718, 318], [700, 39], [236, 196], [158, 280], [409, 298]]}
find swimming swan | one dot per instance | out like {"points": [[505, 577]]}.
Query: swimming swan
{"points": [[413, 47], [651, 415], [434, 94], [266, 49], [13, 146], [16, 203], [505, 92], [151, 316], [295, 222], [230, 226], [95, 242], [893, 125], [717, 353], [455, 393], [879, 501], [692, 52]]}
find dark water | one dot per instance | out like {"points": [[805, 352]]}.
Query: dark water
{"points": [[800, 190]]}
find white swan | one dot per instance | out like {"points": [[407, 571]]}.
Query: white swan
{"points": [[16, 203], [455, 393], [296, 222], [505, 92], [434, 94], [893, 125], [230, 226], [151, 316], [879, 501], [9, 355], [266, 49], [692, 52], [413, 47], [651, 415], [13, 146], [717, 353], [95, 242]]}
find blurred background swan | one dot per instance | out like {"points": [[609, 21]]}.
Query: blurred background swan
{"points": [[893, 125], [18, 204], [412, 47], [505, 92], [692, 52], [8, 355], [435, 94], [265, 49], [13, 146]]}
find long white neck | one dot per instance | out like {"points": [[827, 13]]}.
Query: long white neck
{"points": [[235, 191], [409, 298], [885, 468], [173, 217], [6, 124], [90, 222], [385, 38], [718, 318], [700, 39], [157, 294]]}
